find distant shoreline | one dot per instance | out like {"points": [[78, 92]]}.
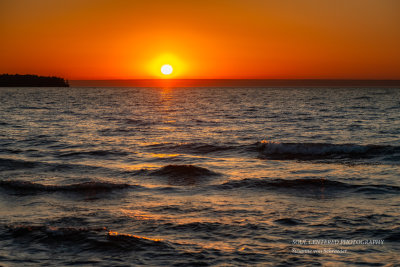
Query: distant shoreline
{"points": [[17, 80], [31, 80], [234, 83]]}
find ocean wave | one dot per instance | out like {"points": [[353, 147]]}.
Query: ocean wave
{"points": [[309, 184], [183, 174], [9, 164], [288, 221], [183, 170], [282, 183], [40, 140], [137, 122], [92, 187], [95, 238], [100, 153], [135, 242], [22, 230], [10, 151], [195, 148], [14, 164], [310, 151]]}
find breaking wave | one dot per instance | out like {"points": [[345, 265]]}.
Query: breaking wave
{"points": [[309, 184], [310, 151]]}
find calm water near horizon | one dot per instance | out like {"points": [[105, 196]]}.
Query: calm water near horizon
{"points": [[199, 176]]}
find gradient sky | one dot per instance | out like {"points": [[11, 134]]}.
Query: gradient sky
{"points": [[115, 39]]}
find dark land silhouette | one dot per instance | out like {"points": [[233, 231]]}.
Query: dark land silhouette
{"points": [[29, 80]]}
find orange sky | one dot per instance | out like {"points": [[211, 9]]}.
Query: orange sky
{"points": [[116, 39]]}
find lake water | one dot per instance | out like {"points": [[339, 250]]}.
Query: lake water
{"points": [[199, 176]]}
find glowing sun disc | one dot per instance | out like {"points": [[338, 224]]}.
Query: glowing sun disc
{"points": [[166, 69]]}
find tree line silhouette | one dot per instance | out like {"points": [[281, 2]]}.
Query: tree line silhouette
{"points": [[29, 80]]}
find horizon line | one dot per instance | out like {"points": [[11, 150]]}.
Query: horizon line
{"points": [[264, 79], [232, 82]]}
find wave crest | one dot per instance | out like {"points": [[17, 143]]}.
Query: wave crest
{"points": [[30, 187], [194, 148], [310, 184], [98, 238], [133, 241], [184, 174], [183, 170], [309, 151], [95, 153], [14, 164]]}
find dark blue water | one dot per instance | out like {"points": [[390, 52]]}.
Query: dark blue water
{"points": [[198, 176]]}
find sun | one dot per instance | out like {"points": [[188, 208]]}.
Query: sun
{"points": [[166, 69]]}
